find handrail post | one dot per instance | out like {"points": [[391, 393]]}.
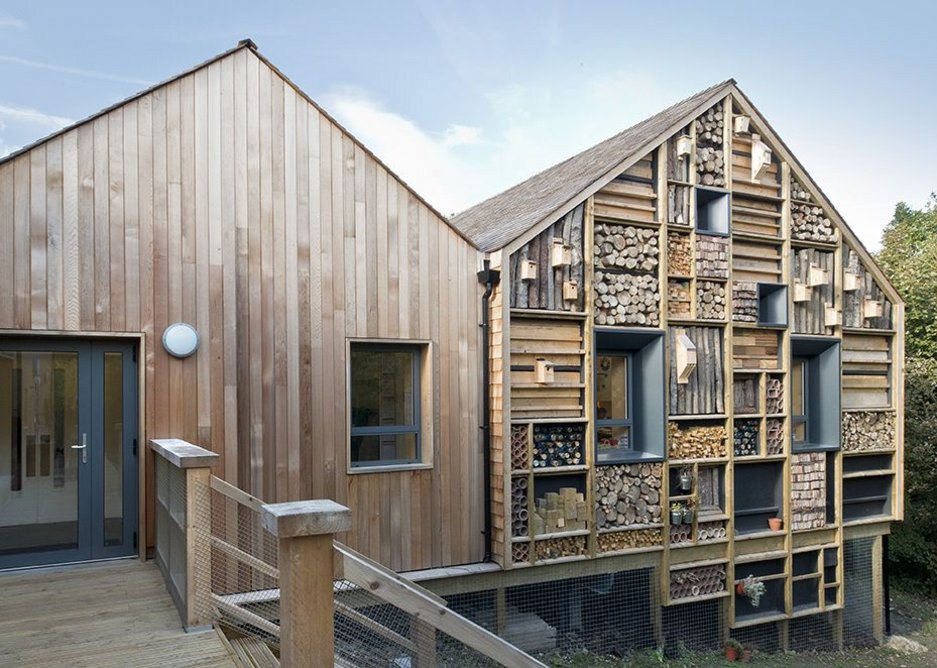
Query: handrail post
{"points": [[304, 531], [187, 574]]}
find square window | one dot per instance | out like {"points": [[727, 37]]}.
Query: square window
{"points": [[385, 410]]}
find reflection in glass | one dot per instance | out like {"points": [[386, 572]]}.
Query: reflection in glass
{"points": [[612, 409], [113, 448], [799, 399], [38, 467]]}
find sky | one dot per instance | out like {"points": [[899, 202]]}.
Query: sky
{"points": [[464, 99]]}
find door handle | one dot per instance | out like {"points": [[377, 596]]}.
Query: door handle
{"points": [[83, 447]]}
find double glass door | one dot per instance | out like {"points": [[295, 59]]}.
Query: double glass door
{"points": [[68, 440]]}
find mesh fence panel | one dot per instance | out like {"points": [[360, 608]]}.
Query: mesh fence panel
{"points": [[171, 493], [858, 621]]}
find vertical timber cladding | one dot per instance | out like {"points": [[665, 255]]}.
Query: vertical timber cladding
{"points": [[226, 199]]}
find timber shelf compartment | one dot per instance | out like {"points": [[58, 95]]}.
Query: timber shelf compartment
{"points": [[697, 581], [773, 573], [758, 495]]}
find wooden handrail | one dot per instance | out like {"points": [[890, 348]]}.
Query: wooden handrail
{"points": [[245, 558], [236, 494], [426, 607]]}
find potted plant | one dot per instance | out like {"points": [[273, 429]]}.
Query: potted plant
{"points": [[676, 513], [688, 513], [751, 587], [774, 523], [746, 655], [686, 479], [733, 649]]}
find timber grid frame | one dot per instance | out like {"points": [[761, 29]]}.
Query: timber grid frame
{"points": [[780, 230]]}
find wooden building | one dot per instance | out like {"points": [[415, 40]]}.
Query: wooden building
{"points": [[668, 351]]}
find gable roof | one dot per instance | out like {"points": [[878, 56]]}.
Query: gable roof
{"points": [[499, 220]]}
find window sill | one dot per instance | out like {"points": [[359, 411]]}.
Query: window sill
{"points": [[638, 457], [388, 468], [812, 447]]}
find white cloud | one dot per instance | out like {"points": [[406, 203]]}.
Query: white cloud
{"points": [[75, 71], [7, 22], [461, 135], [33, 117]]}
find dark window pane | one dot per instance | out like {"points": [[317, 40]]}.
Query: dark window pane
{"points": [[113, 448], [382, 388], [384, 448], [798, 378], [612, 387]]}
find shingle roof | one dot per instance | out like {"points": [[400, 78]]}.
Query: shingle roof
{"points": [[497, 221]]}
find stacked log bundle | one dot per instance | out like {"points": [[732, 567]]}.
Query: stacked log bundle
{"points": [[710, 151], [679, 258], [808, 490], [707, 532], [774, 436], [810, 315], [681, 534], [774, 395], [745, 395], [712, 256], [632, 249], [613, 541], [626, 299], [710, 300], [699, 581], [678, 299], [519, 507], [703, 393], [628, 495], [558, 445], [520, 553], [809, 221], [745, 439], [696, 442], [744, 301], [865, 431], [546, 290], [798, 192], [519, 449], [865, 289], [678, 201], [561, 511], [557, 548]]}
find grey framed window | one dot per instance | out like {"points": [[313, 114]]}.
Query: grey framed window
{"points": [[613, 405], [385, 404], [799, 400]]}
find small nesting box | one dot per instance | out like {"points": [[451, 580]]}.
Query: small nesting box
{"points": [[801, 292], [686, 357], [741, 124], [761, 157], [872, 308], [832, 317], [850, 281], [817, 275], [544, 370], [684, 145], [528, 270], [561, 255], [570, 291]]}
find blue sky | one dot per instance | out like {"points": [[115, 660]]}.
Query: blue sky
{"points": [[465, 99]]}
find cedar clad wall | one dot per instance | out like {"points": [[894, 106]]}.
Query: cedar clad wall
{"points": [[227, 200]]}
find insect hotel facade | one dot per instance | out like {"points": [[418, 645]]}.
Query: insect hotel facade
{"points": [[613, 392]]}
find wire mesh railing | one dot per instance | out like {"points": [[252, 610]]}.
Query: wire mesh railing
{"points": [[170, 549]]}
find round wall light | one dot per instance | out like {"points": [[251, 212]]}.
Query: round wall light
{"points": [[180, 340]]}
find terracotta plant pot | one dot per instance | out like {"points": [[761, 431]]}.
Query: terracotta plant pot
{"points": [[774, 523], [731, 654], [740, 589]]}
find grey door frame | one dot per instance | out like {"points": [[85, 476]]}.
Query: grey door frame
{"points": [[90, 494]]}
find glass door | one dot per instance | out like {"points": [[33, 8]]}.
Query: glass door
{"points": [[68, 474]]}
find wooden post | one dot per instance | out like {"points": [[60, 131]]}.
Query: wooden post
{"points": [[195, 462], [305, 530]]}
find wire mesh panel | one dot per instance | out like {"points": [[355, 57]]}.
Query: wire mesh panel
{"points": [[692, 627], [171, 493], [858, 620], [814, 633]]}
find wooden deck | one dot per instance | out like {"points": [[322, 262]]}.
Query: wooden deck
{"points": [[116, 613]]}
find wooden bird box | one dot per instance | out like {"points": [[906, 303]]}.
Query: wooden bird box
{"points": [[801, 292], [872, 308], [544, 371], [817, 275], [561, 255], [850, 281], [684, 145], [741, 124], [832, 317], [761, 157], [570, 291], [685, 357], [528, 270]]}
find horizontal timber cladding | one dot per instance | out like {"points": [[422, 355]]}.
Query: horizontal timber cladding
{"points": [[814, 269], [704, 393], [864, 302], [756, 349], [547, 273], [558, 344], [227, 200], [866, 371]]}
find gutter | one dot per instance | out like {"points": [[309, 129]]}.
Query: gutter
{"points": [[489, 278]]}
